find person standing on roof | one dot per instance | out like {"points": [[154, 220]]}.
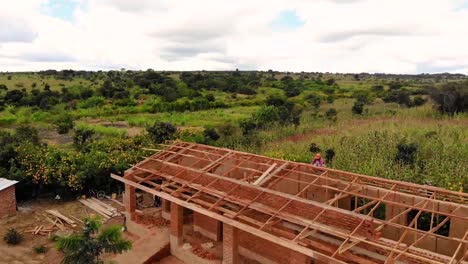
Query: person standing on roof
{"points": [[318, 161]]}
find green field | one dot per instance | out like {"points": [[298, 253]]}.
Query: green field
{"points": [[270, 113]]}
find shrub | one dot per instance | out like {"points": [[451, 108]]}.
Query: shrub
{"points": [[418, 101], [161, 131], [331, 114], [358, 107], [452, 98], [406, 153], [12, 237], [292, 91], [64, 123], [92, 102], [211, 134], [82, 136], [313, 100], [248, 126], [275, 100], [40, 249], [329, 155], [227, 130], [314, 148]]}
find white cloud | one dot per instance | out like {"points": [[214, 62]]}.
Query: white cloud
{"points": [[337, 35]]}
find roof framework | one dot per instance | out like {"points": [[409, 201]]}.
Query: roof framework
{"points": [[253, 193]]}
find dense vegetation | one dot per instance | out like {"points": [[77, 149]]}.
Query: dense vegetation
{"points": [[66, 131]]}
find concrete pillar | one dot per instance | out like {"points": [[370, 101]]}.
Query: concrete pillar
{"points": [[177, 226], [230, 244], [129, 200]]}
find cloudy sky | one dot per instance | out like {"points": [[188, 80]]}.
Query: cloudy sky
{"points": [[393, 36]]}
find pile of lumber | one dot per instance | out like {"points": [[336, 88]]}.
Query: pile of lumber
{"points": [[60, 218], [41, 230], [61, 222], [105, 210]]}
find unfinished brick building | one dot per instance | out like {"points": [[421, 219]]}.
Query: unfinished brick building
{"points": [[276, 211], [7, 197]]}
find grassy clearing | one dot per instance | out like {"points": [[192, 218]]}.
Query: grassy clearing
{"points": [[103, 130], [204, 118], [26, 81]]}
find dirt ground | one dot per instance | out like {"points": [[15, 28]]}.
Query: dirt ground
{"points": [[31, 214]]}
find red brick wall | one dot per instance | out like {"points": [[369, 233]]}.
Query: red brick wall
{"points": [[270, 250], [208, 224], [230, 244], [7, 201], [177, 220]]}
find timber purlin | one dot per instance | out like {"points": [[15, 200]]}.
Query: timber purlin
{"points": [[242, 190]]}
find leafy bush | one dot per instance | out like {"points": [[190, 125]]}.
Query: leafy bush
{"points": [[92, 102], [329, 155], [406, 153], [313, 100], [211, 134], [248, 126], [64, 123], [12, 237], [82, 136], [418, 101], [358, 107], [40, 249], [452, 98], [161, 131], [331, 114], [314, 148]]}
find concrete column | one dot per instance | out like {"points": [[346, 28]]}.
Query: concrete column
{"points": [[129, 200], [177, 226], [230, 244]]}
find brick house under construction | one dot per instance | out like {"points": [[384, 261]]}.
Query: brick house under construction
{"points": [[275, 211]]}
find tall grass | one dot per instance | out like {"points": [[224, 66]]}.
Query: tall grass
{"points": [[103, 130]]}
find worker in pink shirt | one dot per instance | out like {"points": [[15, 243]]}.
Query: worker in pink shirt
{"points": [[318, 161]]}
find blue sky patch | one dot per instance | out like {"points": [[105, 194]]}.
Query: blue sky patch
{"points": [[287, 20], [62, 9]]}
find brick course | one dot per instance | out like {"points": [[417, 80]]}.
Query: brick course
{"points": [[7, 202], [270, 250], [207, 226], [230, 244]]}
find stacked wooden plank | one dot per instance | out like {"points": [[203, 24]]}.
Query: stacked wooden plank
{"points": [[41, 230], [61, 218], [105, 210]]}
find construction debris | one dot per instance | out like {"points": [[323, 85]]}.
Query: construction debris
{"points": [[186, 246], [41, 230], [62, 217], [207, 245], [100, 207]]}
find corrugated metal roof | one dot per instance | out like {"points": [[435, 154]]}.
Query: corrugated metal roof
{"points": [[4, 183]]}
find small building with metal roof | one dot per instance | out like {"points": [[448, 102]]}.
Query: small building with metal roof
{"points": [[7, 197]]}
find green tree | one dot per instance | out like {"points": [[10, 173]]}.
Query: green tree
{"points": [[452, 98], [314, 101], [358, 107], [64, 123], [331, 115], [82, 136], [87, 246], [161, 131]]}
